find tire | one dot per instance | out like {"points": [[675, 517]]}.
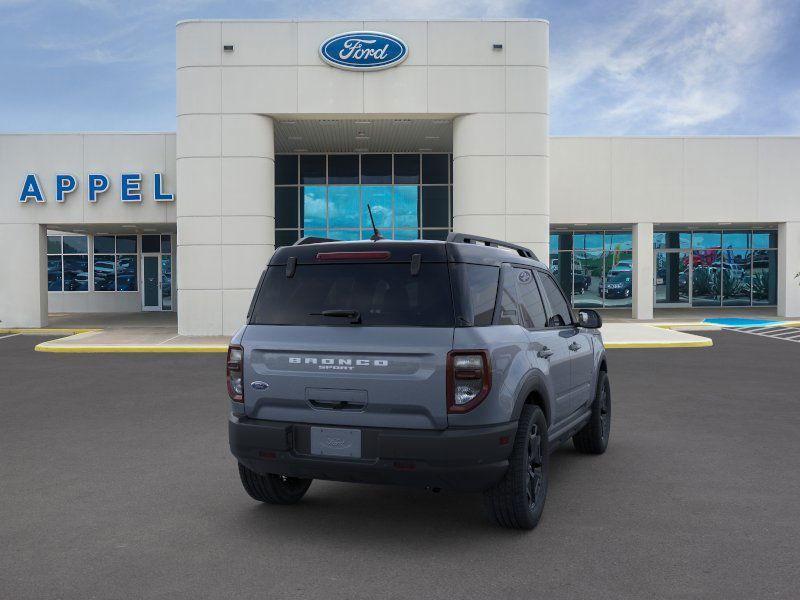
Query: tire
{"points": [[593, 438], [273, 489], [517, 501]]}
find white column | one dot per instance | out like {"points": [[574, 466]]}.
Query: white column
{"points": [[23, 273], [642, 271], [788, 267], [226, 223], [501, 178]]}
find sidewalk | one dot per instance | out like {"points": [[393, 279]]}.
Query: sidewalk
{"points": [[158, 332]]}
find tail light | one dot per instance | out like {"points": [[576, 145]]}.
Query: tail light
{"points": [[234, 373], [469, 378]]}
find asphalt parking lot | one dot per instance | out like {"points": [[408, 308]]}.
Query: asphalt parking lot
{"points": [[116, 482]]}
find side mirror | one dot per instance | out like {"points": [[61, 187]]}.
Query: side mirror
{"points": [[589, 318]]}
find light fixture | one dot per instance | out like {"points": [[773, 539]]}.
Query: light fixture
{"points": [[361, 150], [432, 137], [363, 122], [497, 46], [301, 150], [128, 226], [728, 223], [426, 149], [288, 122], [228, 47], [295, 137]]}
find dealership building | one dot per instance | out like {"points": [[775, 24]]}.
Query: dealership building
{"points": [[288, 129]]}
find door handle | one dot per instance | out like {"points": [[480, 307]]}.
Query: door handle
{"points": [[545, 352], [574, 346]]}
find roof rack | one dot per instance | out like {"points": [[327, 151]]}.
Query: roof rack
{"points": [[312, 240], [465, 238]]}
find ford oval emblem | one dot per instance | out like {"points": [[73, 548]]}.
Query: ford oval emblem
{"points": [[259, 385], [363, 50]]}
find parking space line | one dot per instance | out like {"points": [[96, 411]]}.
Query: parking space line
{"points": [[789, 334], [2, 337]]}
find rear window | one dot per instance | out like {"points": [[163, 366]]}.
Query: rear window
{"points": [[384, 294]]}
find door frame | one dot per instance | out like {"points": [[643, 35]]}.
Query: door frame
{"points": [[158, 307]]}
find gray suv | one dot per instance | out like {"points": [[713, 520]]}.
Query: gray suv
{"points": [[451, 364]]}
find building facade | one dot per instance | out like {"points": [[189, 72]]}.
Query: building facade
{"points": [[284, 130]]}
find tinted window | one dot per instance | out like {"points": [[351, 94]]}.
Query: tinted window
{"points": [[104, 244], [151, 243], [376, 168], [76, 274], [508, 299], [312, 168], [383, 294], [434, 168], [475, 290], [530, 300], [104, 272], [285, 169], [126, 244], [406, 168], [166, 244], [343, 168], [434, 206], [560, 310], [54, 273], [54, 244], [75, 244]]}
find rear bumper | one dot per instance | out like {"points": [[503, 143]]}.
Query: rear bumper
{"points": [[465, 459]]}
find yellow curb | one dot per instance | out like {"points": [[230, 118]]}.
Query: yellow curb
{"points": [[75, 349], [46, 331], [704, 343]]}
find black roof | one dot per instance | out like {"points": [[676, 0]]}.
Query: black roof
{"points": [[454, 250]]}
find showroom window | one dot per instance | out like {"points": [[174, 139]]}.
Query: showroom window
{"points": [[115, 263], [594, 268], [716, 267], [326, 195], [67, 263]]}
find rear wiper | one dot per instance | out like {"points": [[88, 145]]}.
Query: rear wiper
{"points": [[353, 315]]}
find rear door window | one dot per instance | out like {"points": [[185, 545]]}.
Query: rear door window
{"points": [[560, 314], [383, 294], [530, 300]]}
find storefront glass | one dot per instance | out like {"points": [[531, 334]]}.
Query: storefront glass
{"points": [[327, 196], [716, 268]]}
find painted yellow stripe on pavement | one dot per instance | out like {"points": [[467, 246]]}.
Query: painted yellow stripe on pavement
{"points": [[704, 343], [151, 348], [47, 331]]}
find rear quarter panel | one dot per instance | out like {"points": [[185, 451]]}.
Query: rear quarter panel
{"points": [[507, 346]]}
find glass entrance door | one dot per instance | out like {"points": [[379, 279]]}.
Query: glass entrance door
{"points": [[151, 276]]}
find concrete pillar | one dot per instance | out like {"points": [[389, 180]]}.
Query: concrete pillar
{"points": [[788, 268], [642, 271], [501, 178], [226, 221], [23, 273]]}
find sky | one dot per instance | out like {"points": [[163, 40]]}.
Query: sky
{"points": [[628, 67]]}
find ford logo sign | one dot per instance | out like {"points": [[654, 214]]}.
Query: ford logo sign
{"points": [[363, 51]]}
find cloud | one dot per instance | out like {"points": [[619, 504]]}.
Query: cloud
{"points": [[674, 68]]}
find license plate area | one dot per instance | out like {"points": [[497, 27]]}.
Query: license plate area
{"points": [[336, 441]]}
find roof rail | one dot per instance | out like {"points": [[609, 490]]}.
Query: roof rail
{"points": [[312, 240], [465, 238]]}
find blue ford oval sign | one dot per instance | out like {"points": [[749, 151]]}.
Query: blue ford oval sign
{"points": [[363, 50]]}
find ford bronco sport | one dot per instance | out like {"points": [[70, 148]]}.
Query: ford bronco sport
{"points": [[451, 364]]}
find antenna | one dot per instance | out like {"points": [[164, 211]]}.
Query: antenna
{"points": [[377, 235]]}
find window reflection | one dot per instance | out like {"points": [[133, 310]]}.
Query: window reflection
{"points": [[343, 205], [314, 206], [408, 192]]}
